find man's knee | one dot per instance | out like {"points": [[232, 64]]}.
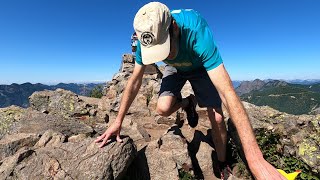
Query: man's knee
{"points": [[163, 110], [164, 107]]}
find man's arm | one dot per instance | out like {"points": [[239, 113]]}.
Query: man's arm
{"points": [[130, 92], [260, 168]]}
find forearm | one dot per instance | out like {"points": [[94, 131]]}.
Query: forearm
{"points": [[243, 126], [128, 96]]}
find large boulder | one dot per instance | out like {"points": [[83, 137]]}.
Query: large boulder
{"points": [[69, 160], [8, 117], [31, 121], [67, 104], [10, 144]]}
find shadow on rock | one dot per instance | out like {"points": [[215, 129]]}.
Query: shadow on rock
{"points": [[138, 169]]}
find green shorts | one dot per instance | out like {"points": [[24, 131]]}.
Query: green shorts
{"points": [[173, 80]]}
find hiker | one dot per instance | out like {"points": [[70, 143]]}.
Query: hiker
{"points": [[183, 40], [134, 42]]}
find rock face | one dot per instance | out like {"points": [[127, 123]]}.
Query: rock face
{"points": [[35, 145], [148, 92], [66, 104], [81, 160], [248, 86], [53, 139], [170, 152], [36, 122], [50, 141]]}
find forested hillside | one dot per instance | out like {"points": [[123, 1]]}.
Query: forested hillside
{"points": [[291, 98]]}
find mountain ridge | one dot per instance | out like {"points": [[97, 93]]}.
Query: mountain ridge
{"points": [[283, 96], [17, 94]]}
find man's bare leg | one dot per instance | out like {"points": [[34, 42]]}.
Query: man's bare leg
{"points": [[219, 132], [168, 104]]}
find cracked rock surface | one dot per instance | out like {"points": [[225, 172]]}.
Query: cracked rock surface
{"points": [[67, 160]]}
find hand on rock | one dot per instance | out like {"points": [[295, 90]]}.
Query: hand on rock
{"points": [[114, 129]]}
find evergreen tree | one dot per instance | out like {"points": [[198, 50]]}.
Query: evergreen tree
{"points": [[96, 92]]}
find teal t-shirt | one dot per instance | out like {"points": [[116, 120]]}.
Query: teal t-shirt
{"points": [[196, 48]]}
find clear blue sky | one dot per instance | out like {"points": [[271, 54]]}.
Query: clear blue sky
{"points": [[51, 41]]}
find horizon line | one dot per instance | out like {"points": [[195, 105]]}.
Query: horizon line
{"points": [[105, 81]]}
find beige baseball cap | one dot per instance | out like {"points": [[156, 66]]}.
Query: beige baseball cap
{"points": [[151, 24]]}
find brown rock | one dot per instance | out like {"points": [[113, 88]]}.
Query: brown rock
{"points": [[166, 155], [10, 144], [81, 160]]}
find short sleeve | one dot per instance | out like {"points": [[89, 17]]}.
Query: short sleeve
{"points": [[138, 54], [205, 48]]}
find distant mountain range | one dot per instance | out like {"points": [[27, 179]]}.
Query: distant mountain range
{"points": [[295, 81], [305, 82], [236, 83], [257, 84], [283, 96], [294, 96], [18, 94]]}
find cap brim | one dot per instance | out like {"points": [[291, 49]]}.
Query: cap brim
{"points": [[156, 53]]}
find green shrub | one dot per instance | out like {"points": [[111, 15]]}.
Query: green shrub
{"points": [[268, 142], [184, 175], [96, 92]]}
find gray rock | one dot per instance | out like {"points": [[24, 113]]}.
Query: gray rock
{"points": [[8, 164], [35, 122], [8, 117], [65, 104], [10, 144], [165, 120], [166, 155], [309, 151], [81, 160], [153, 69], [204, 157], [50, 138], [289, 151], [134, 131], [66, 127], [77, 138], [128, 58]]}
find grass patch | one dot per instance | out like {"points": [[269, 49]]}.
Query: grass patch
{"points": [[184, 175]]}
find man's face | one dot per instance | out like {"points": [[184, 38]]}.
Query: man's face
{"points": [[174, 42]]}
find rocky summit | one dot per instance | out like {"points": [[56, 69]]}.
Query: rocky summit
{"points": [[54, 137]]}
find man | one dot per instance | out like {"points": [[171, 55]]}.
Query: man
{"points": [[183, 40]]}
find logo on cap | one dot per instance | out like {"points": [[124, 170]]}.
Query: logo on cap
{"points": [[147, 38]]}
